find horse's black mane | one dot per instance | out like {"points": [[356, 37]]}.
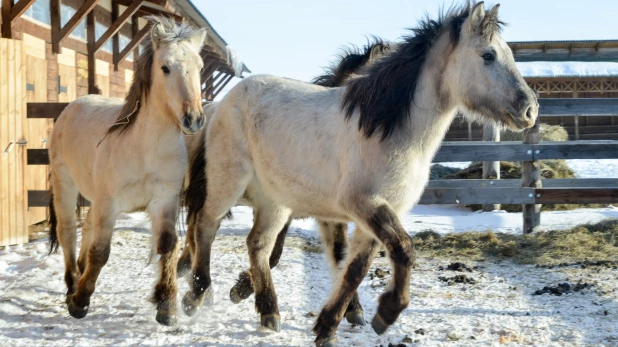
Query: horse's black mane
{"points": [[384, 93], [350, 60]]}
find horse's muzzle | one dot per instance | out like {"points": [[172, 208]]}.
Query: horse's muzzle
{"points": [[193, 122]]}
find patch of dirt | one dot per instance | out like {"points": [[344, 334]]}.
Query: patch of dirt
{"points": [[457, 279], [563, 288], [457, 266]]}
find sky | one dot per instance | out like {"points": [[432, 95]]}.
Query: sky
{"points": [[296, 39]]}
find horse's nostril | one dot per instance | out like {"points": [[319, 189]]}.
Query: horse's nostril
{"points": [[200, 121], [529, 113], [186, 121]]}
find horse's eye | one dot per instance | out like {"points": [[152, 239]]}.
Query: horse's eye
{"points": [[489, 57], [166, 70]]}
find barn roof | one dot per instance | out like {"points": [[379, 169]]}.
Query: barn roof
{"points": [[579, 50]]}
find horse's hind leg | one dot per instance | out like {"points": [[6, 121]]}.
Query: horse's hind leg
{"points": [[164, 221], [335, 239], [243, 287], [103, 217], [64, 198], [270, 218], [184, 261], [87, 235], [224, 190], [363, 249]]}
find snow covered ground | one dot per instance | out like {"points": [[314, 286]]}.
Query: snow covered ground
{"points": [[500, 308]]}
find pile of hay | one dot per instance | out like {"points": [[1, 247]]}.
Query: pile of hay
{"points": [[548, 133], [585, 243]]}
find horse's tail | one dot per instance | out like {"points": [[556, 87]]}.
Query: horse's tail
{"points": [[53, 224], [194, 195]]}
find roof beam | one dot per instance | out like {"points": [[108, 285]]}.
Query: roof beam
{"points": [[21, 7], [229, 78], [137, 39], [115, 27], [81, 13]]}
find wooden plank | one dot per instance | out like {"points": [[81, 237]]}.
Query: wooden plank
{"points": [[102, 77], [216, 92], [90, 25], [20, 231], [576, 150], [491, 169], [38, 156], [5, 139], [477, 196], [45, 109], [20, 7], [38, 132], [40, 198], [531, 177], [578, 106], [54, 7], [6, 18], [113, 29], [11, 155], [81, 13], [479, 151], [515, 183], [135, 42], [577, 195]]}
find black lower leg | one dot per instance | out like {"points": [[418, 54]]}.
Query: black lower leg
{"points": [[331, 315], [243, 287]]}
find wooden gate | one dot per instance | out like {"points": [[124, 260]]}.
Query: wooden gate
{"points": [[13, 229], [36, 131]]}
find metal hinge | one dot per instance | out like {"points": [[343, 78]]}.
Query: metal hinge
{"points": [[30, 87], [61, 89]]}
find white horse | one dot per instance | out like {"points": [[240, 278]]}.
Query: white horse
{"points": [[357, 153], [334, 235], [126, 156]]}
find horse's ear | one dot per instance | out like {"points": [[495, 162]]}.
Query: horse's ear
{"points": [[156, 34], [198, 39], [475, 19]]}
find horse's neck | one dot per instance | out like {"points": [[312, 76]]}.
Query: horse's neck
{"points": [[154, 130], [430, 118]]}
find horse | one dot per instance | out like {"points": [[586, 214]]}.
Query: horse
{"points": [[128, 155], [357, 153], [351, 60]]}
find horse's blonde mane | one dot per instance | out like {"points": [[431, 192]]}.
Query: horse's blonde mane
{"points": [[142, 77]]}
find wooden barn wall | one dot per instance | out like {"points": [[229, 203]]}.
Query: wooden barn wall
{"points": [[30, 54]]}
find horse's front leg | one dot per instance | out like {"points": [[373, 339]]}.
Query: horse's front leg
{"points": [[363, 249], [164, 215], [243, 287], [185, 259], [335, 237], [104, 215]]}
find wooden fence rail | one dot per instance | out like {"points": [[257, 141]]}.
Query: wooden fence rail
{"points": [[530, 191]]}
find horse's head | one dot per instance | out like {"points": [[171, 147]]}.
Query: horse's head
{"points": [[176, 72], [484, 79]]}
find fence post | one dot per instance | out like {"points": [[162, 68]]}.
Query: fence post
{"points": [[531, 177], [491, 169]]}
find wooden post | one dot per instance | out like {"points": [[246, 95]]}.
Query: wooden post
{"points": [[491, 169], [531, 177], [469, 130], [90, 23], [576, 120], [6, 18]]}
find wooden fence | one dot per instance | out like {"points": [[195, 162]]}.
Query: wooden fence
{"points": [[530, 191]]}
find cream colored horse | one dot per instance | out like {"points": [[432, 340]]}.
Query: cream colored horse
{"points": [[357, 153], [126, 156]]}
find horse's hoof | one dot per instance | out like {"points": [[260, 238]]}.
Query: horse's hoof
{"points": [[326, 342], [189, 304], [166, 319], [235, 296], [378, 325], [271, 321], [356, 317], [77, 312]]}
